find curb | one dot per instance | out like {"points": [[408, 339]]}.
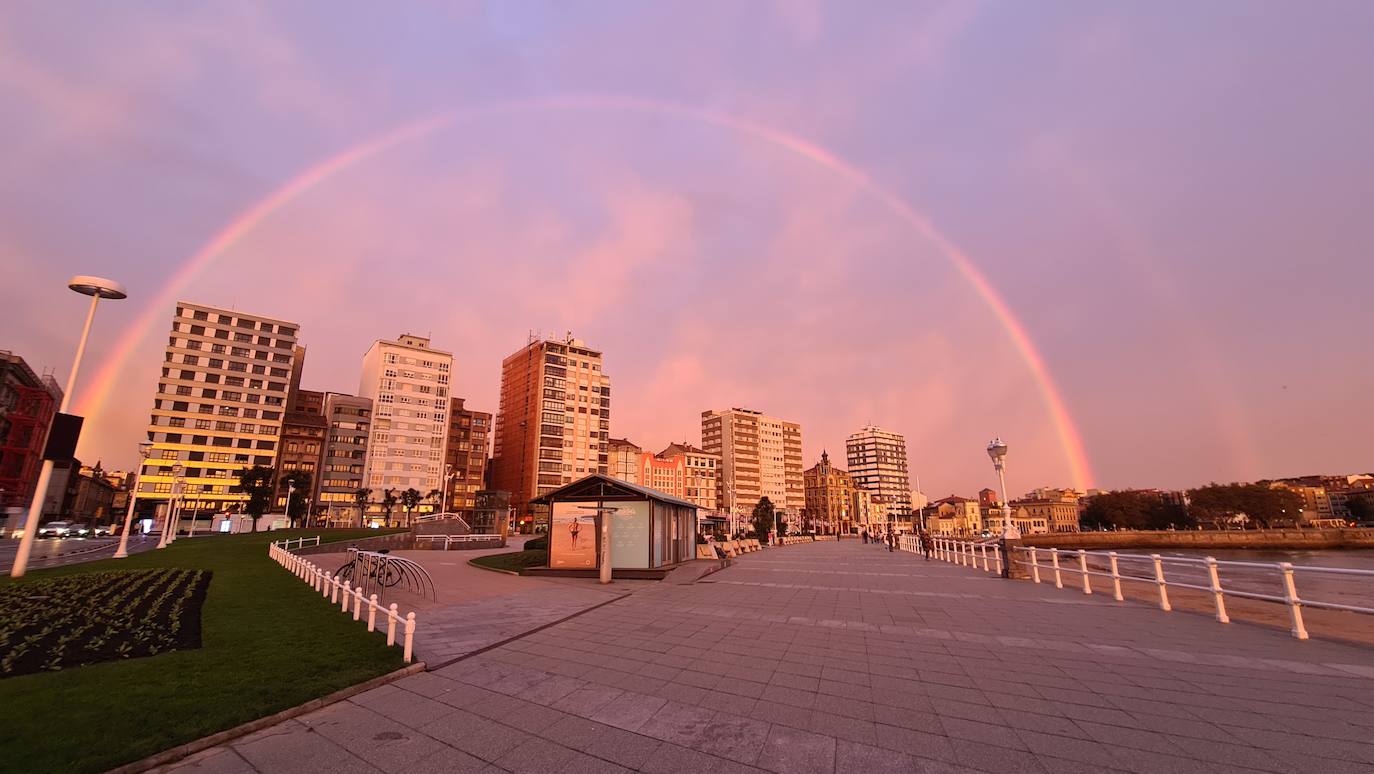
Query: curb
{"points": [[473, 563], [214, 740]]}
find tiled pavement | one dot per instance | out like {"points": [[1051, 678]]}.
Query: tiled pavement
{"points": [[847, 658]]}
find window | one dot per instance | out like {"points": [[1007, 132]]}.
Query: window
{"points": [[168, 454]]}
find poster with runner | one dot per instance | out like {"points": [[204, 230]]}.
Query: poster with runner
{"points": [[572, 537]]}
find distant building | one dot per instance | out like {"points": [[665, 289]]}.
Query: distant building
{"points": [[877, 462], [341, 473], [1057, 509], [830, 500], [701, 470], [26, 409], [553, 422], [623, 460], [987, 498], [465, 456], [219, 405], [408, 383], [760, 456], [92, 496], [303, 436], [954, 516]]}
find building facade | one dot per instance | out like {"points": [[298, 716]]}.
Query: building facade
{"points": [[219, 406], [349, 420], [27, 407], [465, 456], [1058, 509], [623, 458], [832, 502], [304, 433], [553, 423], [954, 515], [877, 462], [701, 474], [408, 383], [760, 456]]}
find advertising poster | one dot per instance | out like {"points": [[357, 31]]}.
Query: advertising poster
{"points": [[630, 534], [572, 537]]}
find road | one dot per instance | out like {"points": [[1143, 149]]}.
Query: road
{"points": [[841, 657], [56, 553]]}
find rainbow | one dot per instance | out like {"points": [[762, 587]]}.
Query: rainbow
{"points": [[107, 376]]}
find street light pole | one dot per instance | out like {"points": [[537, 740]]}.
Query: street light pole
{"points": [[448, 484], [998, 452], [145, 448], [97, 288], [173, 504], [290, 493]]}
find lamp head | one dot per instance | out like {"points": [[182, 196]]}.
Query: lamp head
{"points": [[145, 449], [97, 286], [997, 450]]}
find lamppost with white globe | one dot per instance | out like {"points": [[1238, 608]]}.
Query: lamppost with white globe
{"points": [[97, 288], [145, 448], [998, 452]]}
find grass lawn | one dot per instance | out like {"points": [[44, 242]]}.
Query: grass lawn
{"points": [[514, 561], [268, 643]]}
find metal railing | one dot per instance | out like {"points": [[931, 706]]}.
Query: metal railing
{"points": [[1150, 569], [449, 540], [978, 554], [345, 595], [300, 542], [429, 517]]}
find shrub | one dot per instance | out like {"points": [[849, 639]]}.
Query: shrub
{"points": [[540, 543]]}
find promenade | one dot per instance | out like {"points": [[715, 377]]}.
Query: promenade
{"points": [[842, 657]]}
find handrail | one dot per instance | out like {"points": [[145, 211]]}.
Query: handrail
{"points": [[448, 540], [968, 553], [346, 595], [300, 542], [1286, 571]]}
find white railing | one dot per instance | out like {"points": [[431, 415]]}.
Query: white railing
{"points": [[1150, 569], [985, 555], [428, 517], [345, 596], [449, 540], [300, 542]]}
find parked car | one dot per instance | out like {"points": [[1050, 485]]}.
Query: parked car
{"points": [[55, 529], [80, 530]]}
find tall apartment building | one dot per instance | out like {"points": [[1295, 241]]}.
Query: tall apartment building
{"points": [[349, 420], [219, 405], [26, 409], [760, 456], [553, 424], [701, 474], [877, 461], [303, 436], [465, 456], [408, 383]]}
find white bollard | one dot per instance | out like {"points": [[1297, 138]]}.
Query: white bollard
{"points": [[1035, 564], [372, 613], [391, 617], [1083, 570], [1054, 559], [410, 636], [347, 590], [1159, 579], [334, 591], [1218, 595], [1116, 577], [357, 603], [1290, 596], [983, 549], [997, 557]]}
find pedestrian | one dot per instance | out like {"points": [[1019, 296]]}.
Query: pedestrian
{"points": [[927, 545], [864, 534], [891, 540]]}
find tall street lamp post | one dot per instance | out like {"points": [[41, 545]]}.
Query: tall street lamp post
{"points": [[97, 288], [290, 492], [145, 448], [998, 452], [173, 504], [448, 484]]}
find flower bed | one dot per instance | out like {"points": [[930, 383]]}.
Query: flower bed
{"points": [[104, 616]]}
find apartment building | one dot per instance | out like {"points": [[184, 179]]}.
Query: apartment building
{"points": [[465, 456], [26, 409], [877, 461], [760, 456], [219, 406], [623, 460], [553, 423], [349, 420], [830, 499], [303, 436], [408, 383], [701, 474]]}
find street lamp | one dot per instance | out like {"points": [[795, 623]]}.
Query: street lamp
{"points": [[604, 511], [145, 448], [998, 452], [97, 288], [448, 484], [173, 503], [290, 492]]}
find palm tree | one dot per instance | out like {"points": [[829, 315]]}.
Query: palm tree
{"points": [[434, 495], [388, 503], [360, 499], [410, 498]]}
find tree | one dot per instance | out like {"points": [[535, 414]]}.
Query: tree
{"points": [[410, 498], [360, 499], [433, 495], [256, 482], [1133, 510], [389, 501], [762, 518], [1261, 503], [297, 482]]}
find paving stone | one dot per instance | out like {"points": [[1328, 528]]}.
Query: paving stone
{"points": [[629, 711], [295, 747], [535, 756], [792, 751], [735, 738], [216, 760], [623, 747]]}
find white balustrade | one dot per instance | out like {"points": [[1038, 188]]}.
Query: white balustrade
{"points": [[344, 593]]}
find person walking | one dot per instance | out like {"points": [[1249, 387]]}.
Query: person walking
{"points": [[864, 535], [891, 540], [927, 545]]}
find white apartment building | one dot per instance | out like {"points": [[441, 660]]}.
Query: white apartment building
{"points": [[877, 461], [408, 383], [760, 456], [219, 405]]}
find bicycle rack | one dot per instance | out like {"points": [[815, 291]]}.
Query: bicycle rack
{"points": [[376, 571]]}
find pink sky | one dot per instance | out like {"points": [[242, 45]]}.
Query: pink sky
{"points": [[1182, 237]]}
